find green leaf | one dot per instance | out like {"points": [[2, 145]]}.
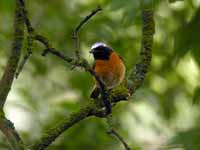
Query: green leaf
{"points": [[188, 38]]}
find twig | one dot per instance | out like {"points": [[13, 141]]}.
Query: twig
{"points": [[113, 132], [85, 20], [77, 29], [26, 56], [117, 135], [29, 27], [50, 49], [30, 31]]}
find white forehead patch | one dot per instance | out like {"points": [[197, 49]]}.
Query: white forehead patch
{"points": [[95, 45]]}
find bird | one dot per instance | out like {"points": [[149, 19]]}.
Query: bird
{"points": [[108, 66]]}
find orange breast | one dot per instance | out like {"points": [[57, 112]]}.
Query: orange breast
{"points": [[111, 71]]}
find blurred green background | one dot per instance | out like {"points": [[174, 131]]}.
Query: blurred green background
{"points": [[163, 114]]}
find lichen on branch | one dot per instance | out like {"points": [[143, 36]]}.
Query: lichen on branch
{"points": [[139, 71]]}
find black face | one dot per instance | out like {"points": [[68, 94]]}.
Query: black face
{"points": [[101, 52]]}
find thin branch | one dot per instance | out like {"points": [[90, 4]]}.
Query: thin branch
{"points": [[29, 27], [26, 56], [30, 31], [50, 49], [113, 132], [77, 29], [85, 20]]}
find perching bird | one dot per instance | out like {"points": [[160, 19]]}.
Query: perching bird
{"points": [[108, 65]]}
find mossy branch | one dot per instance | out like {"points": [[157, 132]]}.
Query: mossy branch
{"points": [[6, 81], [9, 73], [139, 71], [91, 109], [8, 129]]}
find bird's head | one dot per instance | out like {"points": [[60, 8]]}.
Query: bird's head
{"points": [[101, 51]]}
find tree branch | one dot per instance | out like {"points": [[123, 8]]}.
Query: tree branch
{"points": [[26, 56], [8, 75], [77, 29], [30, 31], [6, 81], [68, 122], [91, 109], [113, 132], [139, 71], [8, 129]]}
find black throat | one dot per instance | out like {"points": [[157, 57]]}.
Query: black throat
{"points": [[102, 53]]}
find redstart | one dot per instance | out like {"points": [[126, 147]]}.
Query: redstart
{"points": [[108, 65]]}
